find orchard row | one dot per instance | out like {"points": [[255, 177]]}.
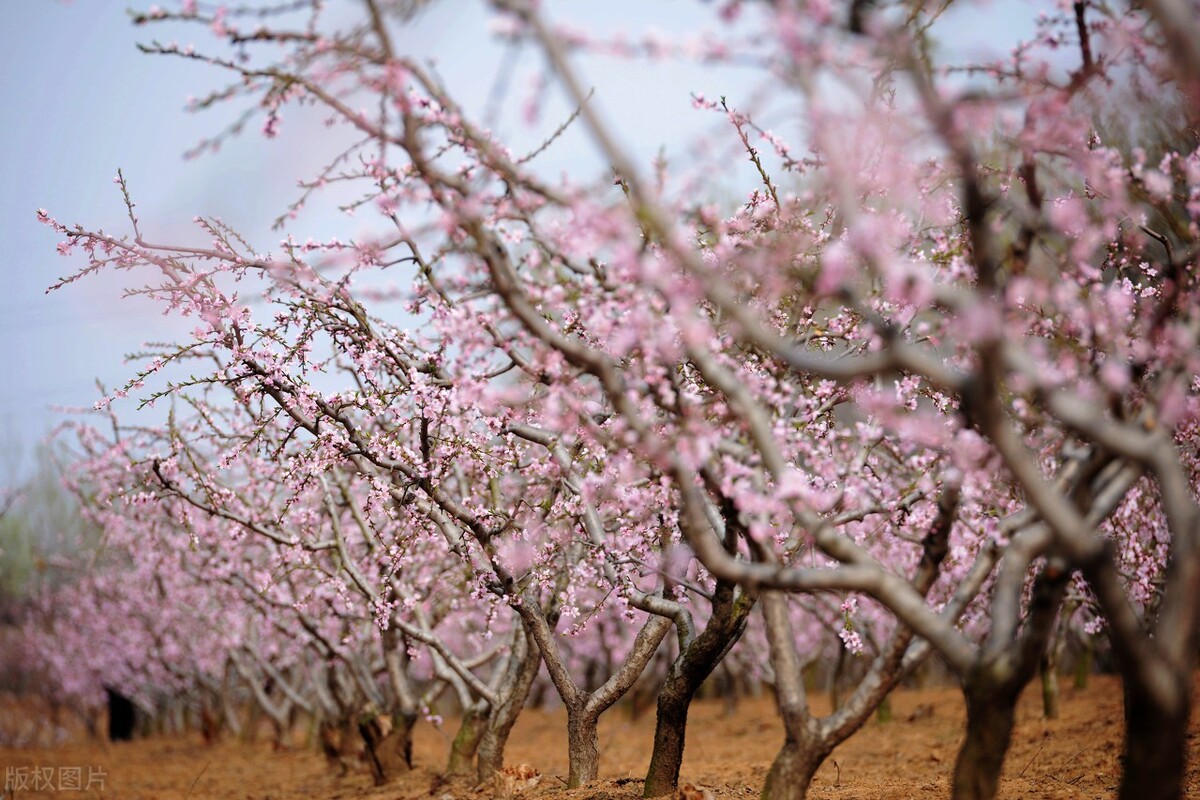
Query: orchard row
{"points": [[928, 391]]}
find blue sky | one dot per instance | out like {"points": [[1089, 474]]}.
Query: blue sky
{"points": [[81, 101]]}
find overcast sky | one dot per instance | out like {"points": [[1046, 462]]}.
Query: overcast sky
{"points": [[81, 101]]}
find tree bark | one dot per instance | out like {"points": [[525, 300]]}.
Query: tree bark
{"points": [[228, 711], [1049, 669], [337, 737], [673, 703], [583, 743], [394, 748], [1006, 666], [991, 710], [1083, 664], [1052, 659], [388, 746], [802, 753], [1049, 689], [373, 737], [691, 668], [1157, 660], [523, 669], [792, 771], [249, 733], [490, 758], [809, 741], [400, 742], [1155, 754], [584, 708], [466, 741]]}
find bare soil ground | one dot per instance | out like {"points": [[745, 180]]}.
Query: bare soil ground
{"points": [[911, 757]]}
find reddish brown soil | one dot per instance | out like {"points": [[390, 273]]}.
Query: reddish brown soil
{"points": [[911, 757]]}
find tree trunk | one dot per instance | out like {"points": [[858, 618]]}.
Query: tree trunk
{"points": [[792, 772], [583, 743], [388, 740], [1083, 665], [231, 717], [883, 713], [990, 713], [492, 743], [400, 742], [121, 716], [669, 731], [398, 745], [515, 693], [210, 724], [690, 669], [337, 742], [835, 678], [279, 732], [728, 687], [466, 741], [249, 733], [1049, 669], [312, 739], [584, 708], [490, 758], [1155, 755], [993, 685], [373, 735]]}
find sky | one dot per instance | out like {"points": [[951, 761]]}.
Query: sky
{"points": [[80, 102]]}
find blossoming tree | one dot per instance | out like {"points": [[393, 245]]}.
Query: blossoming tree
{"points": [[939, 364]]}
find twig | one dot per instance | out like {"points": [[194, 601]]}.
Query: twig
{"points": [[1035, 755], [198, 777], [1085, 45], [558, 132], [1069, 760]]}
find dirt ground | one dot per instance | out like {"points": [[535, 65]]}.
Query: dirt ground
{"points": [[911, 757]]}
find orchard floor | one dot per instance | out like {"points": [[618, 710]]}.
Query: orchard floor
{"points": [[911, 757]]}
